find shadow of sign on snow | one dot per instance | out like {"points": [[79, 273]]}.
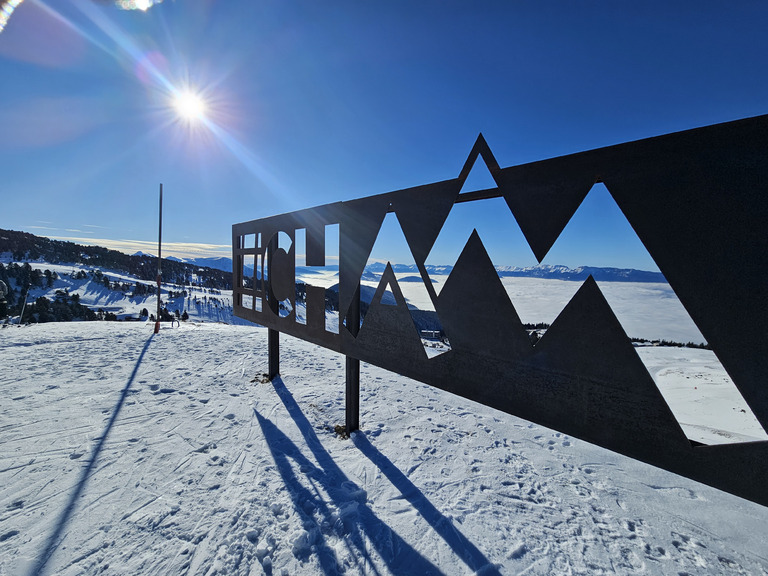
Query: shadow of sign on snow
{"points": [[347, 516], [55, 538], [459, 543]]}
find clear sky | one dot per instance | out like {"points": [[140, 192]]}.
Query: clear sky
{"points": [[312, 102]]}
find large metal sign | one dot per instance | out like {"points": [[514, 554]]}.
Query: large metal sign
{"points": [[698, 201]]}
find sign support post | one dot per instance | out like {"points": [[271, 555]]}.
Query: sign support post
{"points": [[159, 258]]}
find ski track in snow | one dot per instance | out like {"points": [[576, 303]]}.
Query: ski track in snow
{"points": [[207, 470]]}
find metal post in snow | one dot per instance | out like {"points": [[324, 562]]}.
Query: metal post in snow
{"points": [[159, 259], [353, 369], [273, 336], [23, 306]]}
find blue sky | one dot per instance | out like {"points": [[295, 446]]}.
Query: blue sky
{"points": [[313, 102]]}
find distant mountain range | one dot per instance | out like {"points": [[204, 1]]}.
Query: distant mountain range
{"points": [[552, 272], [548, 271], [217, 262], [25, 246]]}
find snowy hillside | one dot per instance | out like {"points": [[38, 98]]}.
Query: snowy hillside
{"points": [[127, 453], [201, 304]]}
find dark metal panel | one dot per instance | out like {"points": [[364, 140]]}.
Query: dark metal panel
{"points": [[422, 212], [739, 468], [316, 309], [360, 221], [316, 245], [544, 196], [698, 201]]}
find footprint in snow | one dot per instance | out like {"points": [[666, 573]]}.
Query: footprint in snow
{"points": [[7, 535], [689, 548], [518, 552], [655, 552]]}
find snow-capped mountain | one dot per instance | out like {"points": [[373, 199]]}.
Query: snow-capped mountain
{"points": [[549, 271]]}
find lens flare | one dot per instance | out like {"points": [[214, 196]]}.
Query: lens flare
{"points": [[6, 9], [200, 114]]}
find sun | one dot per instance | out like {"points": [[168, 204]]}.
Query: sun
{"points": [[189, 106]]}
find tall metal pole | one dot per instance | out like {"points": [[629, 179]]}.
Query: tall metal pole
{"points": [[159, 259]]}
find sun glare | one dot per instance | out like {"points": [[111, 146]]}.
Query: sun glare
{"points": [[189, 106], [142, 5], [6, 9]]}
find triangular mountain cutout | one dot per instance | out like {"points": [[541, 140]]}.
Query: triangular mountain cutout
{"points": [[390, 328], [422, 212], [599, 232], [391, 243], [700, 207], [599, 228], [476, 312], [479, 176], [502, 238], [624, 409], [480, 150], [544, 197]]}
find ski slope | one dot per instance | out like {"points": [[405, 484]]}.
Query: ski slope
{"points": [[127, 453]]}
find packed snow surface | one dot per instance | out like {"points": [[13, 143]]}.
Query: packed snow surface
{"points": [[128, 453]]}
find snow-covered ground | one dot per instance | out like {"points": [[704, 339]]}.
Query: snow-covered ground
{"points": [[127, 453], [701, 395]]}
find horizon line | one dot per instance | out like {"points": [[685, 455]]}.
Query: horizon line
{"points": [[170, 249], [191, 250]]}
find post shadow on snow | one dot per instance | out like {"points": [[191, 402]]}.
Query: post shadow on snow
{"points": [[61, 524], [354, 517], [459, 543]]}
